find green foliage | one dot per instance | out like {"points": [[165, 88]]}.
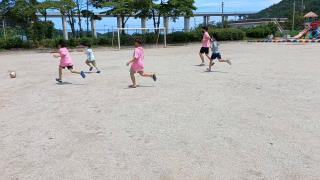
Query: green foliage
{"points": [[261, 31], [298, 22], [42, 30], [22, 12], [127, 40], [227, 34], [2, 44], [284, 9], [16, 42]]}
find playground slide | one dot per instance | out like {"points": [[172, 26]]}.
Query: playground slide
{"points": [[302, 33]]}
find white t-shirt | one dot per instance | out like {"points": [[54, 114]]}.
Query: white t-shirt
{"points": [[90, 55], [215, 47]]}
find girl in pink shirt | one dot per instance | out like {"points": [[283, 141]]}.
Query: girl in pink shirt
{"points": [[206, 43], [137, 65], [65, 61]]}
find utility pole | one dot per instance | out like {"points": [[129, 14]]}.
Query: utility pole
{"points": [[294, 13], [222, 17]]}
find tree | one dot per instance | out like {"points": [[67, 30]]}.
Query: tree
{"points": [[123, 8], [22, 12], [44, 6], [5, 6], [67, 8], [79, 8]]}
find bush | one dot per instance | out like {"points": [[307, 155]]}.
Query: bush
{"points": [[261, 31], [73, 42], [196, 36], [41, 30], [180, 37], [2, 43], [48, 43], [104, 41], [126, 39], [13, 43], [227, 34], [86, 41]]}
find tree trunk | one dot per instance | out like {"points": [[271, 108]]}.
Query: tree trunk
{"points": [[45, 15], [154, 20], [158, 23], [71, 23], [79, 17], [79, 23]]}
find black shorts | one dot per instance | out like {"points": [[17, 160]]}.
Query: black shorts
{"points": [[69, 67], [216, 55], [204, 50]]}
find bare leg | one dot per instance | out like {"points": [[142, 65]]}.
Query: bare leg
{"points": [[74, 71], [202, 58], [88, 63], [226, 61], [95, 65], [133, 79], [210, 64], [60, 73], [208, 57], [144, 74]]}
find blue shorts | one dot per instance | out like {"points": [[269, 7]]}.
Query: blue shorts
{"points": [[215, 56]]}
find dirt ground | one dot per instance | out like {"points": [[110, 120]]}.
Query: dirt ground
{"points": [[256, 119]]}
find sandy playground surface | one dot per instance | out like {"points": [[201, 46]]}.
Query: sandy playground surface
{"points": [[258, 119]]}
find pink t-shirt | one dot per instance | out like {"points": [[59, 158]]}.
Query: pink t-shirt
{"points": [[138, 55], [206, 40], [65, 57]]}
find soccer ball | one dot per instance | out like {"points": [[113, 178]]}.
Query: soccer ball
{"points": [[13, 74]]}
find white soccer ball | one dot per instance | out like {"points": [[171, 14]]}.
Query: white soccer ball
{"points": [[13, 74]]}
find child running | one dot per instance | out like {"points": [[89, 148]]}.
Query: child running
{"points": [[137, 65], [65, 61], [91, 61], [205, 45], [216, 54]]}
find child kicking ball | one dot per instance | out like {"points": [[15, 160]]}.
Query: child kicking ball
{"points": [[65, 61], [216, 54], [137, 65], [91, 60]]}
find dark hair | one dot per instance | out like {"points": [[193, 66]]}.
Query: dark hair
{"points": [[89, 45], [62, 43], [138, 40], [205, 28]]}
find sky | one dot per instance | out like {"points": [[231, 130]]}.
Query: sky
{"points": [[233, 5], [202, 6]]}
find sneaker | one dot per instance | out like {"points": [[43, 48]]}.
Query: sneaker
{"points": [[58, 80], [154, 77], [83, 75], [98, 71], [91, 68], [209, 70], [202, 64]]}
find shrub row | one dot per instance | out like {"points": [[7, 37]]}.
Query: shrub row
{"points": [[15, 43], [261, 31], [150, 38]]}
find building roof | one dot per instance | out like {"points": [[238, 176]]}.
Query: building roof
{"points": [[311, 15]]}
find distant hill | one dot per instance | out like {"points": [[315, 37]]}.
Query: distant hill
{"points": [[284, 9]]}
